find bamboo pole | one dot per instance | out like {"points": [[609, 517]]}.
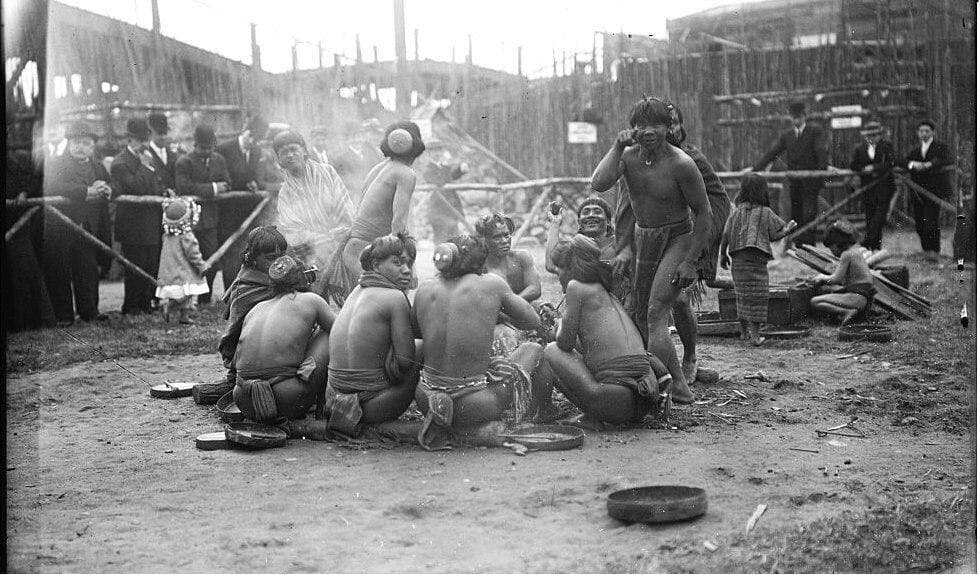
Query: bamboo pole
{"points": [[99, 245], [127, 199], [24, 218], [832, 210], [927, 194], [220, 252]]}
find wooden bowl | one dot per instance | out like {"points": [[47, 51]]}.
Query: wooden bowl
{"points": [[212, 441], [228, 410], [254, 435], [547, 437], [657, 504], [173, 390], [785, 332], [865, 332]]}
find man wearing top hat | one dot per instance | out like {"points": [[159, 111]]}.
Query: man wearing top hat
{"points": [[204, 174], [70, 262], [137, 225], [874, 159], [803, 147], [242, 156]]}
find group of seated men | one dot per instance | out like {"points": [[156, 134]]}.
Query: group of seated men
{"points": [[366, 364]]}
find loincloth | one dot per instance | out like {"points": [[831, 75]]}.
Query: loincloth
{"points": [[442, 391], [635, 373], [865, 289], [347, 389], [651, 244], [253, 389]]}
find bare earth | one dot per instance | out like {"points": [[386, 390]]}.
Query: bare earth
{"points": [[101, 477]]}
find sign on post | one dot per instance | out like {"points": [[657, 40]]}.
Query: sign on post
{"points": [[846, 116], [582, 133]]}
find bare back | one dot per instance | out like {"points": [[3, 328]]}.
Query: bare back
{"points": [[457, 318], [372, 321], [276, 332], [603, 328], [659, 191], [386, 197]]}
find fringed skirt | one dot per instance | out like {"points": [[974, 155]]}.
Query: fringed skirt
{"points": [[751, 278]]}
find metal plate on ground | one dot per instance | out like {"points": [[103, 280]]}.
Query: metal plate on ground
{"points": [[657, 504], [173, 390], [254, 435]]}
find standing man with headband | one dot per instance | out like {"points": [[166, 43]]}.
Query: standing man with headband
{"points": [[666, 193]]}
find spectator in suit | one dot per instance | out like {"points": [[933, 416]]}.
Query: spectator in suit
{"points": [[137, 225], [164, 152], [926, 163], [203, 173], [804, 147], [874, 159], [243, 157], [71, 263]]}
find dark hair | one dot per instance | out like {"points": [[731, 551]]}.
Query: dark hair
{"points": [[469, 256], [286, 138], [386, 246], [650, 111], [579, 258], [840, 234], [487, 225], [417, 145], [926, 122], [263, 240], [287, 275], [754, 191], [677, 140], [595, 201], [797, 109]]}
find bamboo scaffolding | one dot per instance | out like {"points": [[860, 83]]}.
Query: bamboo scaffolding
{"points": [[242, 228], [24, 218]]}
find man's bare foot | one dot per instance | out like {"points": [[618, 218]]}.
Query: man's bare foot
{"points": [[758, 340], [690, 369], [585, 422], [681, 393]]}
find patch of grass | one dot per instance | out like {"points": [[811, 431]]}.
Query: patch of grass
{"points": [[908, 536], [119, 337]]}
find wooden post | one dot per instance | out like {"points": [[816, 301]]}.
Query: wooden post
{"points": [[375, 48], [155, 8], [357, 45], [295, 59], [416, 31], [401, 66], [319, 55], [520, 72]]}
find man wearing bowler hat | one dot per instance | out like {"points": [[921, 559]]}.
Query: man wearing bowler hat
{"points": [[71, 267], [803, 147], [203, 173], [874, 159], [137, 225], [163, 151]]}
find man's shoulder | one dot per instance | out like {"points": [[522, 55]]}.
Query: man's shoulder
{"points": [[123, 158]]}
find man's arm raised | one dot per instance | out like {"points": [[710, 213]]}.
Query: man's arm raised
{"points": [[692, 186], [404, 188], [610, 168]]}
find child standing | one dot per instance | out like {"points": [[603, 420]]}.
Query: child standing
{"points": [[180, 279], [855, 298], [750, 229]]}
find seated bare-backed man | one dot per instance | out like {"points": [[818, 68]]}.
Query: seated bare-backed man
{"points": [[462, 384], [281, 363], [665, 190], [516, 267], [373, 371], [598, 359], [384, 204]]}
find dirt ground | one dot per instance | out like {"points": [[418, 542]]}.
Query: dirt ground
{"points": [[103, 478]]}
